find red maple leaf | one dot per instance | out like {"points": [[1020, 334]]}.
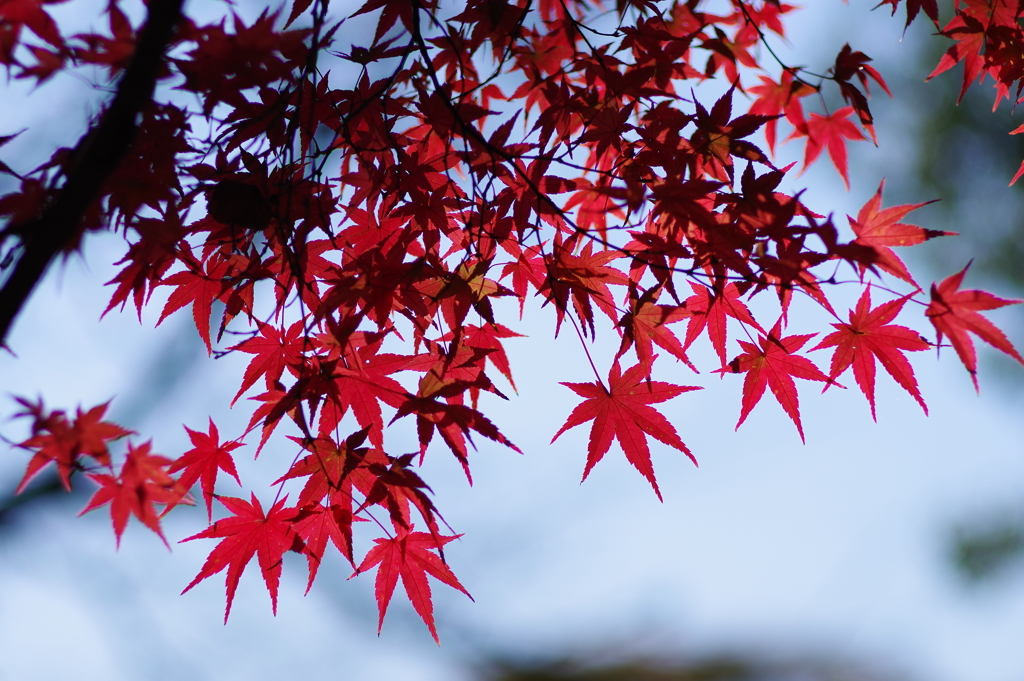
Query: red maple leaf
{"points": [[969, 33], [646, 324], [528, 270], [246, 533], [47, 64], [143, 482], [276, 403], [409, 556], [882, 229], [149, 259], [362, 386], [274, 351], [200, 287], [776, 99], [774, 365], [396, 487], [717, 139], [620, 412], [114, 52], [830, 132], [486, 338], [849, 64], [207, 456], [334, 469], [452, 421], [585, 277], [15, 14], [954, 313], [344, 211], [913, 7], [869, 336], [709, 310], [317, 525], [57, 440], [1020, 169]]}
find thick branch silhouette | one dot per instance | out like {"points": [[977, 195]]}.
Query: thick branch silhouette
{"points": [[94, 158]]}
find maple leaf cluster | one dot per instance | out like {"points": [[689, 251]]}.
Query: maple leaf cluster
{"points": [[356, 226], [988, 43]]}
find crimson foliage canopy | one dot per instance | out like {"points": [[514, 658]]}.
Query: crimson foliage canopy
{"points": [[356, 223]]}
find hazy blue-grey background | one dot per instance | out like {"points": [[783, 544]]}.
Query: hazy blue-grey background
{"points": [[838, 547]]}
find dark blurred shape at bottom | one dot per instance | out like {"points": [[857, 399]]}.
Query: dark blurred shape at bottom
{"points": [[717, 668]]}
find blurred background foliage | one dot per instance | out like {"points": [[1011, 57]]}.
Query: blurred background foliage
{"points": [[964, 155], [961, 154], [987, 547], [736, 667], [959, 150]]}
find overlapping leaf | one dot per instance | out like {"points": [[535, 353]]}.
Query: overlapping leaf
{"points": [[201, 464], [773, 363], [56, 440], [143, 482]]}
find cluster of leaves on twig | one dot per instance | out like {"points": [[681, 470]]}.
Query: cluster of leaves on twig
{"points": [[357, 224]]}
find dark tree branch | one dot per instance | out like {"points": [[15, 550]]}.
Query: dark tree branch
{"points": [[94, 158]]}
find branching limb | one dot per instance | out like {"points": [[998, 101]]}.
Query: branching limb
{"points": [[95, 157]]}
